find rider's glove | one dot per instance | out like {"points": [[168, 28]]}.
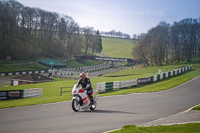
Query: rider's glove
{"points": [[77, 85]]}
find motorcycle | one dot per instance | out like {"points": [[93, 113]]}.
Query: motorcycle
{"points": [[81, 100]]}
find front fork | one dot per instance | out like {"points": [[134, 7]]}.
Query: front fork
{"points": [[96, 98], [75, 97]]}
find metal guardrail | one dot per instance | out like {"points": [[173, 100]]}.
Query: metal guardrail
{"points": [[116, 85], [22, 72]]}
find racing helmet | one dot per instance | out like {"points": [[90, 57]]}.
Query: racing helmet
{"points": [[82, 75]]}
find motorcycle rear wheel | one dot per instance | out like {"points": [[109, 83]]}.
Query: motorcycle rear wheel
{"points": [[75, 105]]}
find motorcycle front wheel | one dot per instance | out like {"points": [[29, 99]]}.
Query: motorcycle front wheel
{"points": [[75, 105], [93, 106]]}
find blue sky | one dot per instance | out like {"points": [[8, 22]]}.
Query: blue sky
{"points": [[127, 16]]}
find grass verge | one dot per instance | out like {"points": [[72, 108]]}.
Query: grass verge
{"points": [[196, 108], [182, 128]]}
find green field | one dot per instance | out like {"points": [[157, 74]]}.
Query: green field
{"points": [[74, 63], [16, 66], [183, 128], [115, 47]]}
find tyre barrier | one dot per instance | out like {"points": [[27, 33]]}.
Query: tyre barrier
{"points": [[116, 85]]}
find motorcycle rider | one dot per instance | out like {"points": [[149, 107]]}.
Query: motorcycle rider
{"points": [[85, 83]]}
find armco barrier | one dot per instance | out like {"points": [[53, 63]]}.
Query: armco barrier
{"points": [[166, 74], [180, 70], [36, 92], [73, 71], [17, 94], [109, 86], [161, 76], [128, 83], [144, 80], [158, 77], [101, 87], [11, 94], [171, 74], [154, 78], [63, 72], [116, 85], [151, 79], [22, 73]]}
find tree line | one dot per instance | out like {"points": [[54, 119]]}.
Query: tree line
{"points": [[169, 43], [32, 32], [117, 34]]}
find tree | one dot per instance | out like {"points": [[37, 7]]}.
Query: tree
{"points": [[30, 32], [162, 43], [87, 40], [72, 28], [99, 47], [134, 37], [140, 51], [114, 33]]}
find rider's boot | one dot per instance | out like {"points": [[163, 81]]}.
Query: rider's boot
{"points": [[91, 100]]}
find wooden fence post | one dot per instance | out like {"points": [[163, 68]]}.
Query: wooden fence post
{"points": [[61, 90]]}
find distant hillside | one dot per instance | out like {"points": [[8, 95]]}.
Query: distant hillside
{"points": [[116, 47]]}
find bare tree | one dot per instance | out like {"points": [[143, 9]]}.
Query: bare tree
{"points": [[178, 42], [87, 40], [72, 28]]}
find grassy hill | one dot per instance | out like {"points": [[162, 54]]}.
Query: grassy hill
{"points": [[113, 47], [116, 47]]}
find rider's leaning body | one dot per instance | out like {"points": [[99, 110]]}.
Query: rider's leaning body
{"points": [[86, 84]]}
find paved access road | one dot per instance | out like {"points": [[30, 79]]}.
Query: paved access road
{"points": [[112, 112]]}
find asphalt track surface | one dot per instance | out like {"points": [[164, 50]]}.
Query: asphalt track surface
{"points": [[112, 112]]}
